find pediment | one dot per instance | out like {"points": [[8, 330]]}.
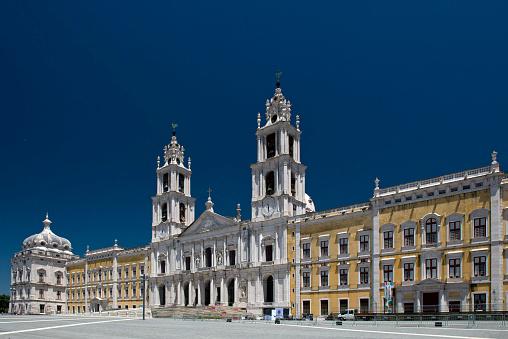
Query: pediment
{"points": [[429, 282], [208, 222]]}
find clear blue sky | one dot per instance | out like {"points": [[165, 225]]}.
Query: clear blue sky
{"points": [[88, 89]]}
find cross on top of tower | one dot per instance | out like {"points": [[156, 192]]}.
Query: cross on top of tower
{"points": [[209, 192]]}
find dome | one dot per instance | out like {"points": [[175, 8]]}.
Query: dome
{"points": [[47, 239]]}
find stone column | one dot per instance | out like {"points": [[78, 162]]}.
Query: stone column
{"points": [[297, 270], [198, 284], [236, 291], [192, 294], [222, 292], [418, 302], [86, 285], [212, 292], [443, 301]]}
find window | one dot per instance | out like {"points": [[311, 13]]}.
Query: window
{"points": [[232, 257], [208, 257], [268, 253], [409, 237], [324, 248], [187, 263], [306, 307], [454, 306], [181, 182], [431, 268], [364, 275], [454, 268], [388, 239], [270, 145], [270, 183], [141, 269], [409, 271], [480, 227], [127, 272], [480, 302], [343, 273], [163, 267], [364, 305], [41, 277], [480, 266], [59, 279], [324, 278], [58, 295], [134, 291], [343, 246], [291, 142], [431, 231], [387, 273], [454, 227], [409, 308], [164, 216], [41, 294], [306, 250], [133, 271], [119, 273], [364, 243], [324, 307], [306, 279], [165, 182], [126, 292], [293, 184]]}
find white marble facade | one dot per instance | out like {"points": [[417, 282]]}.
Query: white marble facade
{"points": [[217, 260]]}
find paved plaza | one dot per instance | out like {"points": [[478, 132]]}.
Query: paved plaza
{"points": [[113, 327]]}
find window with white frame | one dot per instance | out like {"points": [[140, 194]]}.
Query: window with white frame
{"points": [[364, 243], [409, 271], [409, 236], [323, 244], [306, 279], [343, 245], [343, 276], [387, 273], [454, 230], [480, 266], [324, 278], [431, 231], [431, 268], [306, 250], [479, 221], [364, 275], [388, 239], [454, 269]]}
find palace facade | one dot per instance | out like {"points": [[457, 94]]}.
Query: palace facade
{"points": [[437, 245]]}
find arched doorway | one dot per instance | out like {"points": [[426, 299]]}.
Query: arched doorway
{"points": [[186, 294], [268, 289], [231, 292], [207, 293]]}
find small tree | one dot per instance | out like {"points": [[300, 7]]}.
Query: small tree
{"points": [[4, 303]]}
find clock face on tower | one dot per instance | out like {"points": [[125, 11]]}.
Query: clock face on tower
{"points": [[268, 206]]}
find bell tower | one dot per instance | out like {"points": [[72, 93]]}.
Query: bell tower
{"points": [[173, 206], [278, 176]]}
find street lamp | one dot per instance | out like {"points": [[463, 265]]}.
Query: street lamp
{"points": [[143, 292]]}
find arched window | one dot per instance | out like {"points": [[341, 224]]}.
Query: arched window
{"points": [[270, 183], [431, 231], [164, 216], [182, 212], [268, 289], [270, 145], [162, 264]]}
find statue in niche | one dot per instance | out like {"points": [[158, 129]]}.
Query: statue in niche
{"points": [[243, 290], [197, 262], [219, 258]]}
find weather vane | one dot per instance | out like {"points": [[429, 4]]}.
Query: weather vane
{"points": [[209, 192], [278, 75], [174, 126]]}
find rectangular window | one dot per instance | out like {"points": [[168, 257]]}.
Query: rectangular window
{"points": [[343, 305], [454, 268], [343, 246], [324, 278], [431, 268], [480, 302], [387, 273], [364, 243], [409, 237], [232, 257], [41, 294], [134, 291], [388, 239], [409, 271], [480, 227], [270, 145], [306, 307], [119, 273], [324, 307], [364, 275], [306, 279], [343, 275], [58, 295], [141, 269], [134, 271], [324, 248], [164, 213], [454, 227], [187, 263], [364, 305], [306, 250], [268, 253], [480, 266]]}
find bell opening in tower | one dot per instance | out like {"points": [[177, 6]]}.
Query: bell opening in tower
{"points": [[182, 212], [291, 141], [181, 181], [165, 182], [270, 183], [270, 145]]}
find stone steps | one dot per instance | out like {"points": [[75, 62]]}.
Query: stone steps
{"points": [[206, 312]]}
